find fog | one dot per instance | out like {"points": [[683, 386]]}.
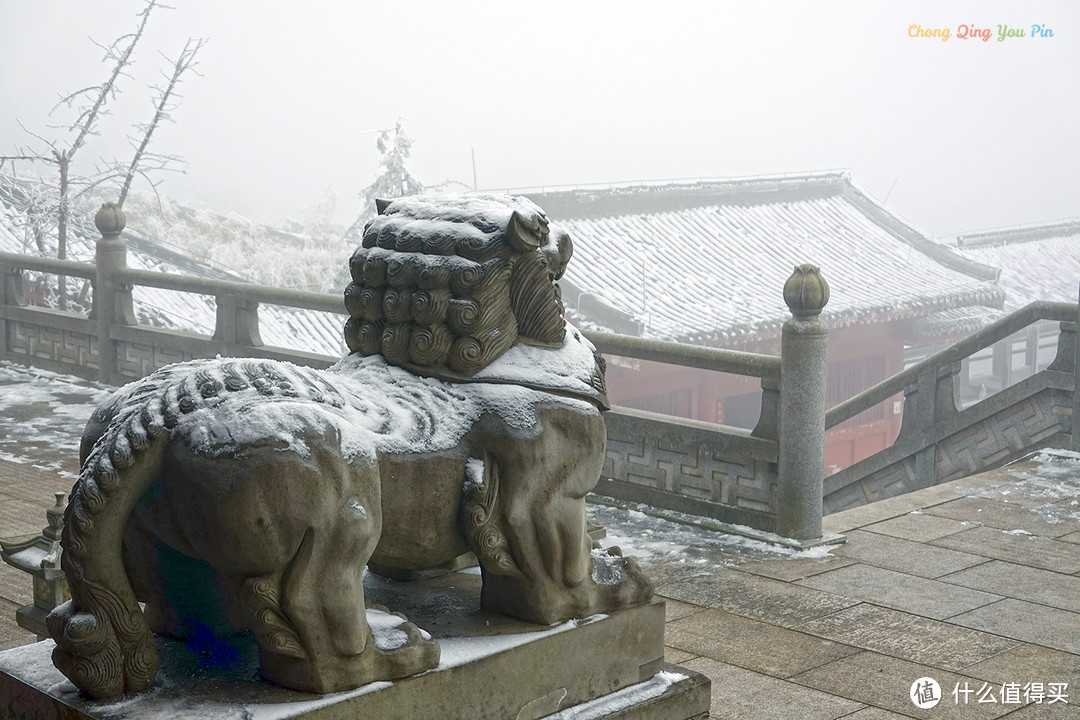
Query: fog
{"points": [[956, 133]]}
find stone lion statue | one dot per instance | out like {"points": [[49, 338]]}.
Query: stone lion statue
{"points": [[236, 495]]}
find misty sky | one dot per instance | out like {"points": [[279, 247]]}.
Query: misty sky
{"points": [[973, 134]]}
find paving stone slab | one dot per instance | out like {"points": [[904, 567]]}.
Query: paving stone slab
{"points": [[913, 558], [1039, 624], [900, 591], [753, 645], [674, 609], [21, 517], [739, 694], [909, 637], [892, 507], [1071, 537], [1029, 663], [794, 568], [1022, 582], [1029, 491], [1016, 547], [1057, 711], [40, 492], [873, 713], [676, 656], [11, 635], [885, 682], [756, 597], [14, 526], [664, 570], [1050, 520], [15, 585], [918, 526]]}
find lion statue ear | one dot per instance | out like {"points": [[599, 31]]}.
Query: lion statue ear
{"points": [[381, 204], [526, 234], [558, 252]]}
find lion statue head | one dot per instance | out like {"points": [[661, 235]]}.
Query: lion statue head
{"points": [[445, 285]]}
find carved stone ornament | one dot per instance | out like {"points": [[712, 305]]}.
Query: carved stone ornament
{"points": [[446, 285], [234, 495], [806, 292], [110, 219]]}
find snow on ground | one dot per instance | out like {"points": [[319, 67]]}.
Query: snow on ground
{"points": [[692, 550], [42, 415], [1056, 477]]}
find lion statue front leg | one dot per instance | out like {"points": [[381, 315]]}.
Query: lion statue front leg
{"points": [[524, 515]]}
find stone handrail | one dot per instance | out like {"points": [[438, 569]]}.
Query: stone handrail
{"points": [[245, 291], [48, 265], [766, 367], [984, 338], [696, 356]]}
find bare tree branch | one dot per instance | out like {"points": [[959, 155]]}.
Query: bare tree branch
{"points": [[28, 131], [184, 62], [107, 89]]}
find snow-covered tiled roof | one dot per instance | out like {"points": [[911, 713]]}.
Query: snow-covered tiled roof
{"points": [[294, 328], [1037, 262], [708, 260]]}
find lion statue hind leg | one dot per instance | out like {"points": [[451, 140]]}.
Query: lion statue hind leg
{"points": [[524, 516], [308, 612]]}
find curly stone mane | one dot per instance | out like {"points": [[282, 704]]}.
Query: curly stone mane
{"points": [[445, 285]]}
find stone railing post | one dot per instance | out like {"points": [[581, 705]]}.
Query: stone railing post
{"points": [[11, 294], [803, 372], [1067, 359], [237, 321], [768, 426], [1075, 430], [112, 299]]}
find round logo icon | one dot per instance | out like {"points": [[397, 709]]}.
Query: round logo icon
{"points": [[925, 693]]}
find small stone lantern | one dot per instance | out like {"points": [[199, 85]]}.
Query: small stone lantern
{"points": [[39, 556]]}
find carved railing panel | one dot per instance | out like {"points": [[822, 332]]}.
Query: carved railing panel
{"points": [[690, 466]]}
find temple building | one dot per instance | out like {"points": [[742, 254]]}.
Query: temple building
{"points": [[1037, 262], [705, 263]]}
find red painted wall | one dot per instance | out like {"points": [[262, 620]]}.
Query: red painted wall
{"points": [[859, 357]]}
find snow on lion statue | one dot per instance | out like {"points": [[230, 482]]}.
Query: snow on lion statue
{"points": [[246, 494]]}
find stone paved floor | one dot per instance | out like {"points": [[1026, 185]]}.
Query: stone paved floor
{"points": [[974, 583]]}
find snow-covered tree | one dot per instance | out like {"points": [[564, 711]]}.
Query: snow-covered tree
{"points": [[393, 180], [319, 215]]}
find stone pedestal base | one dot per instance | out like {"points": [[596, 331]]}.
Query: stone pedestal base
{"points": [[605, 666]]}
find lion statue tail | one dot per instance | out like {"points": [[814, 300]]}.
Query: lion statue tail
{"points": [[103, 643]]}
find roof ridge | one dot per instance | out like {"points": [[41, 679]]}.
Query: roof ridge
{"points": [[1018, 233], [908, 233], [644, 199], [809, 175]]}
